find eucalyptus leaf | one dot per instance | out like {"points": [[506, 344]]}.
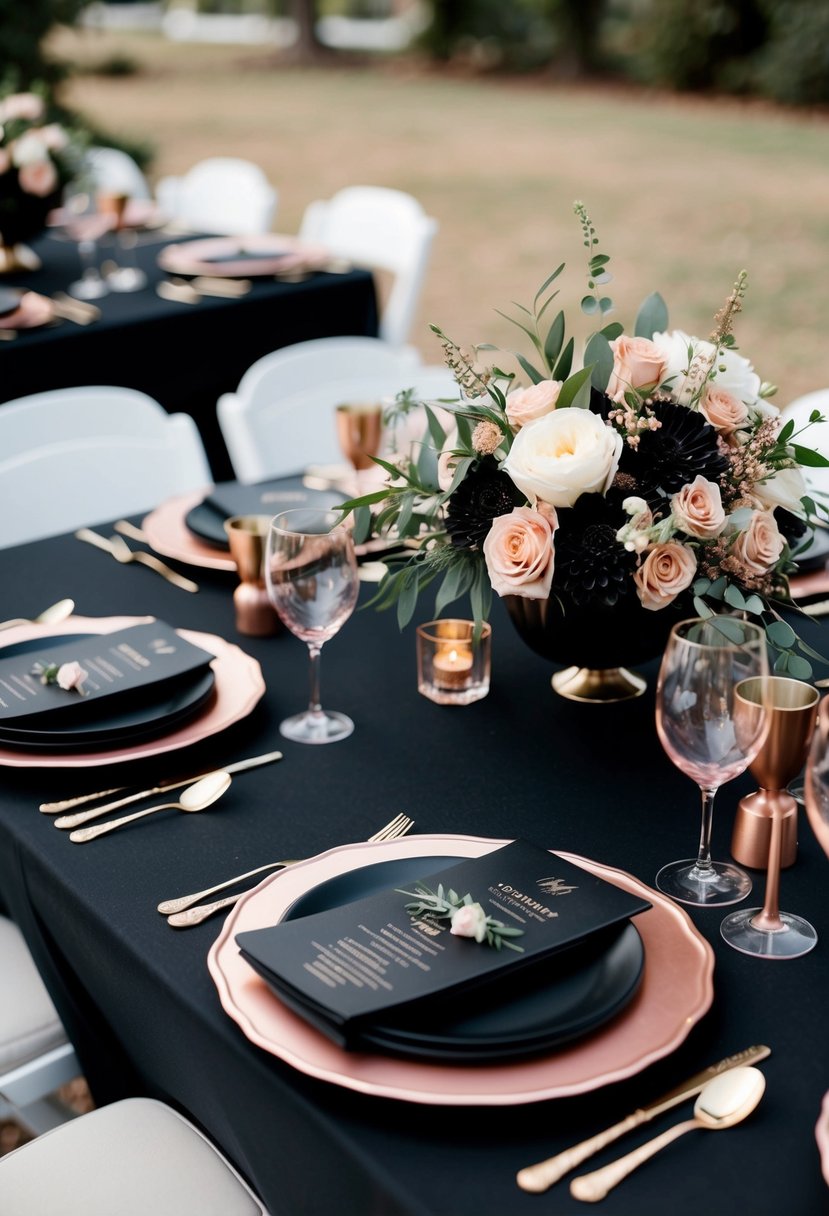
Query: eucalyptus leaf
{"points": [[573, 390], [809, 458], [652, 316], [799, 669], [534, 375], [702, 609], [550, 279], [598, 352], [734, 597], [562, 369], [554, 339], [589, 305], [781, 634]]}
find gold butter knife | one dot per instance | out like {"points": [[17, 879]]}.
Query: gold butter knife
{"points": [[537, 1178], [71, 821]]}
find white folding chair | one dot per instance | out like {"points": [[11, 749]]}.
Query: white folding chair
{"points": [[380, 229], [799, 411], [281, 417], [136, 1157], [35, 1056], [77, 456], [115, 172], [222, 194]]}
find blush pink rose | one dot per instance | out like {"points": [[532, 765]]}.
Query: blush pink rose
{"points": [[698, 510], [723, 410], [519, 553], [70, 675], [27, 106], [526, 404], [469, 921], [39, 177], [637, 362], [666, 571], [760, 546]]}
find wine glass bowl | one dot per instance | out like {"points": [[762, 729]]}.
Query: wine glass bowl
{"points": [[711, 735], [126, 276], [311, 577], [792, 708]]}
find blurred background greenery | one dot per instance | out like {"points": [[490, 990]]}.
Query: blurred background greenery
{"points": [[694, 130]]}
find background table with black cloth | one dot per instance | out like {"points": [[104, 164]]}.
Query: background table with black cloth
{"points": [[138, 1000], [183, 355]]}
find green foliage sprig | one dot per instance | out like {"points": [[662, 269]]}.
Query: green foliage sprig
{"points": [[443, 905]]}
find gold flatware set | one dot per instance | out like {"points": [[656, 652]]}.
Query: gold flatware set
{"points": [[52, 615], [592, 1187]]}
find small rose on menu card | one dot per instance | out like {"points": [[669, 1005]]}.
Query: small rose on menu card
{"points": [[466, 917], [68, 676]]}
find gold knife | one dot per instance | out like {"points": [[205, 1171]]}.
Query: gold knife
{"points": [[118, 548], [52, 808], [537, 1178]]}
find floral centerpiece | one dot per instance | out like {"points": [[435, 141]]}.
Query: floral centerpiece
{"points": [[37, 158], [655, 481]]}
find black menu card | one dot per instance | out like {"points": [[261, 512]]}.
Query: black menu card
{"points": [[124, 665], [267, 497], [341, 969]]}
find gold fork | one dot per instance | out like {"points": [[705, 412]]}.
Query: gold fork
{"points": [[118, 548], [181, 914]]}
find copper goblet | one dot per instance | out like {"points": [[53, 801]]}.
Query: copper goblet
{"points": [[767, 932], [247, 536]]}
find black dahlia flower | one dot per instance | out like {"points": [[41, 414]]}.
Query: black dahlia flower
{"points": [[681, 448], [792, 528], [483, 494], [592, 567]]}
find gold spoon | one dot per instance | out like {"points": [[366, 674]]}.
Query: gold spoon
{"points": [[195, 798], [49, 616], [726, 1100]]}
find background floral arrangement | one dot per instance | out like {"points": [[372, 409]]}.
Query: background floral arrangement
{"points": [[657, 472], [37, 158]]}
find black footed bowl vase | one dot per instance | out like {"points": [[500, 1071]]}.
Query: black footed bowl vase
{"points": [[597, 644]]}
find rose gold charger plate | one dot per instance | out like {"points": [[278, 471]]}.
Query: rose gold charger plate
{"points": [[33, 311], [822, 1138], [269, 254], [239, 686], [167, 532], [676, 991]]}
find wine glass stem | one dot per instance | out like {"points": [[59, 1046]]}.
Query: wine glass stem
{"points": [[768, 921], [704, 854], [314, 706]]}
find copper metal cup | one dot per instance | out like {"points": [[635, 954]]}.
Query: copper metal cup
{"points": [[817, 778], [792, 712], [247, 536]]}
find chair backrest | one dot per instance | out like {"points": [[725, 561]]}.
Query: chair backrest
{"points": [[222, 194], [800, 411], [116, 172], [281, 418], [380, 229], [77, 456]]}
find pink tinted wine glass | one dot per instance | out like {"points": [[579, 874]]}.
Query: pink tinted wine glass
{"points": [[711, 735], [312, 581]]}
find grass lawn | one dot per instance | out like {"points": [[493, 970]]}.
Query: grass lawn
{"points": [[683, 193]]}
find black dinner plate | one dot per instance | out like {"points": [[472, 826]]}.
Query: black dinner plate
{"points": [[208, 522], [582, 987], [161, 709]]}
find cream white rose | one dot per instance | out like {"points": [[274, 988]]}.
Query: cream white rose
{"points": [[469, 921], [525, 405], [519, 553], [736, 377], [637, 362], [666, 571], [784, 489], [760, 546], [29, 149], [697, 509], [563, 455]]}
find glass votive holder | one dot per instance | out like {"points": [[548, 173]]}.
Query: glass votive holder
{"points": [[247, 536], [452, 666]]}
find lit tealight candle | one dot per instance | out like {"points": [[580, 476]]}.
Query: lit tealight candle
{"points": [[452, 666]]}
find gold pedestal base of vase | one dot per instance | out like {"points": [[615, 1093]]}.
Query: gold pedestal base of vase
{"points": [[14, 258], [601, 685]]}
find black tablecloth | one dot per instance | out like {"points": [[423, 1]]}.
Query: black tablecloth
{"points": [[183, 355], [145, 1016]]}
